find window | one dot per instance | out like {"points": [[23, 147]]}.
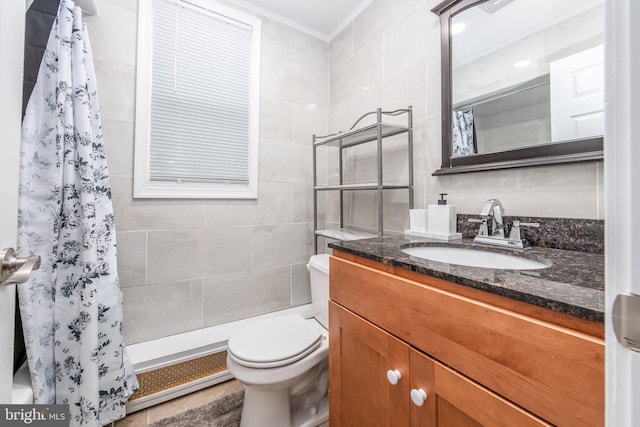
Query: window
{"points": [[197, 101]]}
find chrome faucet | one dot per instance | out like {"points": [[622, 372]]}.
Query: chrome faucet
{"points": [[493, 210]]}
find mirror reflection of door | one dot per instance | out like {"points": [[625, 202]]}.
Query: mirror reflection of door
{"points": [[526, 73], [577, 95]]}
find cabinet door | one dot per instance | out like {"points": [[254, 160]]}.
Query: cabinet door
{"points": [[360, 354], [455, 401]]}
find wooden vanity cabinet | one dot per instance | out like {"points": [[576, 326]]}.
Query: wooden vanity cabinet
{"points": [[478, 364], [361, 394]]}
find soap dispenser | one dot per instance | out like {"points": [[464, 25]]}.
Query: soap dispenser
{"points": [[442, 220]]}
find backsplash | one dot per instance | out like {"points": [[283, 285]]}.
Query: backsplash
{"points": [[582, 235]]}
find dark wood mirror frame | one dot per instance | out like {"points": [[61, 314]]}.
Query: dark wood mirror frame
{"points": [[556, 153]]}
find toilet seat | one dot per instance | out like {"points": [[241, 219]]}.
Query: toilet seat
{"points": [[274, 342]]}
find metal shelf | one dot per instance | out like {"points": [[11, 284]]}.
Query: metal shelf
{"points": [[356, 187], [373, 133], [344, 234], [360, 136]]}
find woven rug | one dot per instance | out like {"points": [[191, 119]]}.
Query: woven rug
{"points": [[224, 412]]}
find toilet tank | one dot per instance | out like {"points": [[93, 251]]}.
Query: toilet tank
{"points": [[319, 274]]}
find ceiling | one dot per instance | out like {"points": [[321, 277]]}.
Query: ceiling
{"points": [[320, 18]]}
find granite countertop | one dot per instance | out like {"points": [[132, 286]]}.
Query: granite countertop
{"points": [[573, 284]]}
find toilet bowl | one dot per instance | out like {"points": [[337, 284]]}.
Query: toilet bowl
{"points": [[283, 362]]}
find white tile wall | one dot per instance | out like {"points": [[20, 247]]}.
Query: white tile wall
{"points": [[410, 56], [273, 206], [155, 311], [341, 48], [282, 244], [359, 73], [132, 258], [405, 42], [112, 30], [569, 191], [300, 290], [188, 264], [183, 254], [307, 121], [192, 263], [283, 161], [116, 88], [119, 135], [234, 296], [152, 214]]}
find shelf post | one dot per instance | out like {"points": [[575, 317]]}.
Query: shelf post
{"points": [[410, 150], [315, 196], [380, 182], [340, 174]]}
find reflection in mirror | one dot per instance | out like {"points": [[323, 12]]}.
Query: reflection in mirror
{"points": [[524, 76]]}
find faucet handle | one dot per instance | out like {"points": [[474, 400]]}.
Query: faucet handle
{"points": [[527, 224], [515, 228], [483, 231]]}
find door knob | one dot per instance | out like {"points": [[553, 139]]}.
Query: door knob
{"points": [[418, 396], [626, 320], [393, 376], [15, 270]]}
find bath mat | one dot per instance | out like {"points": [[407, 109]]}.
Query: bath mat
{"points": [[223, 412]]}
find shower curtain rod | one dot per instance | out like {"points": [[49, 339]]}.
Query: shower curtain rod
{"points": [[89, 7]]}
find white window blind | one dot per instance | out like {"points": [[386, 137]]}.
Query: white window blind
{"points": [[203, 103]]}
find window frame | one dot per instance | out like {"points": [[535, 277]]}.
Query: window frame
{"points": [[143, 186]]}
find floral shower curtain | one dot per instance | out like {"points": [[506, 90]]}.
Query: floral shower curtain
{"points": [[464, 135], [72, 306]]}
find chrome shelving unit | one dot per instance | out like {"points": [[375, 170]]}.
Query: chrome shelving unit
{"points": [[374, 133]]}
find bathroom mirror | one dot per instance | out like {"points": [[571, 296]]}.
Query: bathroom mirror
{"points": [[522, 83]]}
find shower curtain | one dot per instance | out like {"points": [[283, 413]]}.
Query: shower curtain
{"points": [[72, 306], [464, 134]]}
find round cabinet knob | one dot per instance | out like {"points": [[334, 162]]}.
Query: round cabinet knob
{"points": [[418, 396], [393, 376]]}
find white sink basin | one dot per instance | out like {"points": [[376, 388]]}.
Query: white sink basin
{"points": [[473, 258]]}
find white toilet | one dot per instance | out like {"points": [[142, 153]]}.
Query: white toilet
{"points": [[283, 362]]}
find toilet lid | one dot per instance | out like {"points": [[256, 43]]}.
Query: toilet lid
{"points": [[272, 342]]}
